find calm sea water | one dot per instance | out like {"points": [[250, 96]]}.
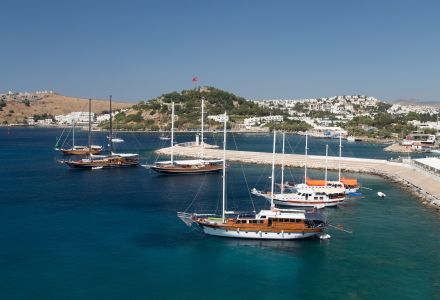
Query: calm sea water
{"points": [[114, 234]]}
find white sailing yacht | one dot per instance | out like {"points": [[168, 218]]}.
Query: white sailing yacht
{"points": [[302, 196], [350, 185]]}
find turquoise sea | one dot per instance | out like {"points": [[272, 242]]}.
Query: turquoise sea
{"points": [[114, 234]]}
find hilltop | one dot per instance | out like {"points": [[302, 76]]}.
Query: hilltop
{"points": [[155, 114], [17, 107]]}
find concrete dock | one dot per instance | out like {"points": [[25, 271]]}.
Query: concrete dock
{"points": [[417, 181]]}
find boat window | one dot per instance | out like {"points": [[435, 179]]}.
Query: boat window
{"points": [[263, 217], [316, 198]]}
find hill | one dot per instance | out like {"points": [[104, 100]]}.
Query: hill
{"points": [[15, 108], [155, 114]]}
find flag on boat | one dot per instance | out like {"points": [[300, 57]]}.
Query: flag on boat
{"points": [[195, 79]]}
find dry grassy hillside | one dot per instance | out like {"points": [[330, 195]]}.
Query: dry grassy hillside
{"points": [[16, 111]]}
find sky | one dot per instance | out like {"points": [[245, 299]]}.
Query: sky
{"points": [[137, 50]]}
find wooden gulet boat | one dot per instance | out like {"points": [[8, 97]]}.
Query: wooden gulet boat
{"points": [[81, 150], [273, 224], [114, 160], [180, 167]]}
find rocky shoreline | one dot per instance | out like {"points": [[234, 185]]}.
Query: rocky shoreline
{"points": [[424, 197], [397, 148]]}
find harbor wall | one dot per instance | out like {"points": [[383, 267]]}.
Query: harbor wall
{"points": [[418, 182]]}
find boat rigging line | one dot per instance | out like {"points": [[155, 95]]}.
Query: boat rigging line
{"points": [[340, 227], [244, 176]]}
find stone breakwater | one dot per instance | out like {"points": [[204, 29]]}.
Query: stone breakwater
{"points": [[421, 184], [397, 148]]}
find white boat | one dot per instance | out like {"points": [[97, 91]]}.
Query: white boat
{"points": [[324, 236], [382, 195], [164, 138], [303, 198], [350, 185], [117, 140]]}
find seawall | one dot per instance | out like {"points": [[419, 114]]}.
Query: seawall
{"points": [[421, 184]]}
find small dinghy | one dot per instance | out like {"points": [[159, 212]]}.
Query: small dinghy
{"points": [[97, 168], [324, 236], [382, 195], [117, 140]]}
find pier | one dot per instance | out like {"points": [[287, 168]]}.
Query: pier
{"points": [[419, 182]]}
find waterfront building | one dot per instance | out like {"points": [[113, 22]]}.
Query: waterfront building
{"points": [[218, 118], [77, 117], [249, 122]]}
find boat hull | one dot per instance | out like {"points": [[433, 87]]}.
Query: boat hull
{"points": [[261, 235], [186, 171], [109, 163], [301, 203]]}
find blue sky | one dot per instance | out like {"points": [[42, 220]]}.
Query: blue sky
{"points": [[256, 49]]}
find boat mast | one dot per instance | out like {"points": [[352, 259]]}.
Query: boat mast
{"points": [[111, 127], [305, 158], [340, 155], [73, 136], [90, 126], [326, 164], [273, 171], [172, 133], [282, 165], [201, 136], [224, 171]]}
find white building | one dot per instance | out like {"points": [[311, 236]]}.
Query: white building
{"points": [[248, 122], [45, 122], [76, 117], [30, 121], [218, 118], [102, 118]]}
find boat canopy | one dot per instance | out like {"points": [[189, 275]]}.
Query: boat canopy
{"points": [[349, 181], [276, 213], [315, 182]]}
